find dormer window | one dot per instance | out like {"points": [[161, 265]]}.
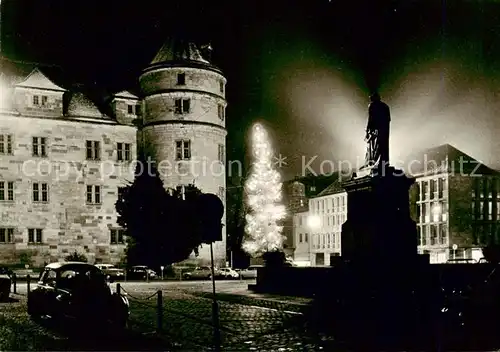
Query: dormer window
{"points": [[130, 109], [44, 100], [36, 100], [181, 79]]}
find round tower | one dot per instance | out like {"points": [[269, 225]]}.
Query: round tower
{"points": [[183, 127]]}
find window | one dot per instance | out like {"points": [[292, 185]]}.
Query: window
{"points": [[123, 150], [93, 194], [490, 210], [35, 235], [182, 106], [39, 146], [221, 86], [6, 190], [181, 79], [424, 235], [419, 235], [221, 153], [6, 235], [117, 236], [5, 144], [40, 192], [183, 150], [306, 238], [36, 100], [220, 112], [44, 100], [93, 150], [130, 109], [444, 234], [300, 238], [434, 234], [481, 210]]}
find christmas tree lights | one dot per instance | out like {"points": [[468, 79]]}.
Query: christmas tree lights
{"points": [[263, 189]]}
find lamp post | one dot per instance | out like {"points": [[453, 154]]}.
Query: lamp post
{"points": [[313, 223]]}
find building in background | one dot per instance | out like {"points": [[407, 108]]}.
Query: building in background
{"points": [[64, 158], [317, 231], [455, 202]]}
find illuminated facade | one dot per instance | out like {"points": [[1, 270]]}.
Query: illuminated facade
{"points": [[455, 202], [64, 159]]}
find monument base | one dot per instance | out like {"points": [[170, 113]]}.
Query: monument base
{"points": [[379, 227]]}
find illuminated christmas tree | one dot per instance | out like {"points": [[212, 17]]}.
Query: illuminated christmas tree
{"points": [[263, 190]]}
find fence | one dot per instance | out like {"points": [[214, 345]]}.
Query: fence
{"points": [[185, 318]]}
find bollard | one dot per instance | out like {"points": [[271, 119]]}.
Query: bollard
{"points": [[159, 313], [147, 277], [14, 282], [118, 289], [28, 282]]}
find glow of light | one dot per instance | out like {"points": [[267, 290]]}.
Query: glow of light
{"points": [[436, 210], [263, 188], [313, 221]]}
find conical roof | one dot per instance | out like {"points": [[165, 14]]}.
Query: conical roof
{"points": [[175, 50]]}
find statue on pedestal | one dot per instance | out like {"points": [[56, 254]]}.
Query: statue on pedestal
{"points": [[377, 133]]}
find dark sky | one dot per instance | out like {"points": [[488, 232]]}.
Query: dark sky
{"points": [[304, 67]]}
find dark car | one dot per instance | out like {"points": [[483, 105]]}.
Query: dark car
{"points": [[78, 292], [141, 272]]}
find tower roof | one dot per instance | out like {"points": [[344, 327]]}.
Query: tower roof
{"points": [[175, 50]]}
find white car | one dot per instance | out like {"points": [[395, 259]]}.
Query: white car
{"points": [[228, 273], [250, 272]]}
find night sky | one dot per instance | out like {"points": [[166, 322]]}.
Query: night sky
{"points": [[305, 68]]}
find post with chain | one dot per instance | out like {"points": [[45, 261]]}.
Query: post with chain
{"points": [[14, 282], [159, 325], [118, 289]]}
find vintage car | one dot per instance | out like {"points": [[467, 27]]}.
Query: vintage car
{"points": [[5, 283], [228, 273], [77, 292], [113, 272], [141, 272], [202, 272]]}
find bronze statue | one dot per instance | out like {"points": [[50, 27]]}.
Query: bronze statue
{"points": [[377, 133]]}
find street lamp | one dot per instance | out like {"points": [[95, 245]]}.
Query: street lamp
{"points": [[314, 223]]}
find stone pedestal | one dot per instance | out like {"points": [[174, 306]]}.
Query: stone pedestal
{"points": [[379, 252], [379, 227]]}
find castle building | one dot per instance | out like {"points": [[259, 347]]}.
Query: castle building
{"points": [[455, 202], [63, 160]]}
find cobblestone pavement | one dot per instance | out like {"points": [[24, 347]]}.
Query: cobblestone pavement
{"points": [[248, 322]]}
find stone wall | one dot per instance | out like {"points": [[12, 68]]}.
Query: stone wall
{"points": [[68, 223]]}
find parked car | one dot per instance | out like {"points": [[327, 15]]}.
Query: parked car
{"points": [[250, 272], [77, 292], [113, 272], [201, 272], [228, 273], [141, 272], [461, 261], [5, 283]]}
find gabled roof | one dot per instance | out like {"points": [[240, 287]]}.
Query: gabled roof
{"points": [[336, 186], [36, 79], [178, 50], [443, 159], [125, 95]]}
